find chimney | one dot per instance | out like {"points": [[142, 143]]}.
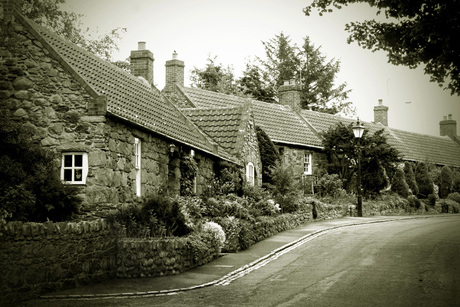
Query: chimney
{"points": [[142, 63], [448, 127], [381, 113], [289, 94], [174, 73]]}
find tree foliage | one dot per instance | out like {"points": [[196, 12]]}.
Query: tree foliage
{"points": [[310, 68], [49, 13], [215, 77], [447, 178], [30, 185], [399, 184], [410, 177], [416, 32], [254, 83], [377, 157], [424, 181], [268, 155]]}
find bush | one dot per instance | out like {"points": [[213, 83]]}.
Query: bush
{"points": [[330, 185], [414, 202], [399, 184], [424, 182], [216, 231], [455, 197], [158, 216], [284, 189], [456, 181], [268, 155], [446, 181], [30, 185], [229, 179], [410, 178], [432, 200]]}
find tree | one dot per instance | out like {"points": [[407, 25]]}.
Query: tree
{"points": [[215, 77], [268, 155], [310, 68], [377, 157], [254, 83], [416, 32], [399, 184], [30, 185], [447, 178], [48, 13], [424, 182], [410, 177]]}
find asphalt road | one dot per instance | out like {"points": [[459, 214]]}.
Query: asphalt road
{"points": [[400, 263]]}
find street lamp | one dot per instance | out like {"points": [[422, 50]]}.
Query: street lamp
{"points": [[358, 131]]}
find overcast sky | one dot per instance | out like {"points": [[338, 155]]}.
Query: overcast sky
{"points": [[233, 30]]}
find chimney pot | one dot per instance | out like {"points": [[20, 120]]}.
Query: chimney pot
{"points": [[174, 55], [141, 46], [380, 102], [444, 117], [449, 116]]}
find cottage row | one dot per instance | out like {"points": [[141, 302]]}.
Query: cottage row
{"points": [[121, 138]]}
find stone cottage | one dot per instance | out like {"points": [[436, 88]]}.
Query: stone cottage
{"points": [[119, 139], [297, 132]]}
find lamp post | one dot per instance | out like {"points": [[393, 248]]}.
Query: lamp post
{"points": [[358, 131]]}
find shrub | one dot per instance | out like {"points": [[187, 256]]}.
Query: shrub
{"points": [[284, 188], [414, 202], [399, 184], [330, 185], [229, 179], [158, 216], [432, 200], [188, 169], [454, 196], [424, 182], [445, 181], [268, 155], [216, 231], [456, 181], [410, 178], [30, 185]]}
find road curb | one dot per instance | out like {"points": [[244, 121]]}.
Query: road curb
{"points": [[230, 277]]}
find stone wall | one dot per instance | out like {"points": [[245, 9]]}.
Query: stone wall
{"points": [[40, 257], [168, 256]]}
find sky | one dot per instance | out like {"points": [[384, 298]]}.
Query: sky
{"points": [[233, 30]]}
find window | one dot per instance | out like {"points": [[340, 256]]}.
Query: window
{"points": [[74, 167], [137, 164], [307, 164], [250, 173]]}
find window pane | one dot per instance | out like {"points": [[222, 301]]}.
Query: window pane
{"points": [[67, 175], [78, 175], [68, 161], [78, 160]]}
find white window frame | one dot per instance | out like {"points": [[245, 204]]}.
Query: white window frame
{"points": [[307, 164], [137, 165], [74, 168], [250, 173]]}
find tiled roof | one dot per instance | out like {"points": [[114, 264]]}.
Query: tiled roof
{"points": [[127, 96], [280, 123], [412, 146], [221, 124]]}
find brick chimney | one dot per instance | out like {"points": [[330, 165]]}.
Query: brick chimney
{"points": [[448, 127], [381, 113], [289, 94], [174, 73], [142, 63]]}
